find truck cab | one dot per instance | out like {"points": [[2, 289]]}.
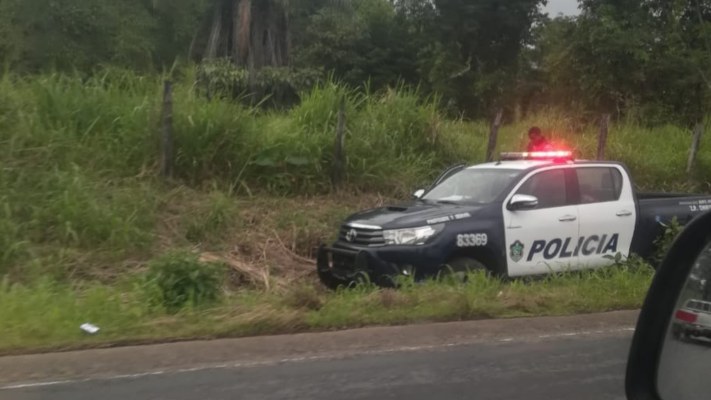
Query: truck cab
{"points": [[526, 214]]}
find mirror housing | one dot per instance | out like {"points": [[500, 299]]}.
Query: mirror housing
{"points": [[419, 193], [641, 381], [522, 202]]}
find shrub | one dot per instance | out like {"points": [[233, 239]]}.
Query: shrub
{"points": [[179, 279], [664, 241], [268, 87]]}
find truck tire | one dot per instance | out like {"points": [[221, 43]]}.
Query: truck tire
{"points": [[459, 268], [676, 332], [330, 281], [333, 283]]}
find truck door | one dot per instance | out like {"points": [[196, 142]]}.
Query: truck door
{"points": [[607, 214], [542, 239]]}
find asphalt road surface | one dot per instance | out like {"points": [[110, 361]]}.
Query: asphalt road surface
{"points": [[561, 365], [684, 366]]}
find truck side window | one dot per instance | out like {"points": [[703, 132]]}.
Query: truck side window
{"points": [[599, 184], [549, 187]]}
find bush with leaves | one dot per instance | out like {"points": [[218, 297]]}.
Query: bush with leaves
{"points": [[179, 279], [664, 241], [269, 87]]}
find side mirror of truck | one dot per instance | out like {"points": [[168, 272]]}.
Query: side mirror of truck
{"points": [[671, 349], [522, 202], [419, 193]]}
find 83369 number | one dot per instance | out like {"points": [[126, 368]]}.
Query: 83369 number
{"points": [[472, 240]]}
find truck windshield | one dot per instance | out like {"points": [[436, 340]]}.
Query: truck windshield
{"points": [[473, 186]]}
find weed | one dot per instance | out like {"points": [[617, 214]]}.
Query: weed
{"points": [[304, 296], [179, 279], [217, 214], [664, 242]]}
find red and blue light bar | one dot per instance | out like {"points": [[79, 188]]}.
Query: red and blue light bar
{"points": [[557, 155]]}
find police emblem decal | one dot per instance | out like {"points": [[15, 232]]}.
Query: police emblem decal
{"points": [[516, 251]]}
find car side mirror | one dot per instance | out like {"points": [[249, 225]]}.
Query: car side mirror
{"points": [[671, 347], [418, 194], [522, 202]]}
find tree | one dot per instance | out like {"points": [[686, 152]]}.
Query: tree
{"points": [[474, 60], [547, 70], [76, 34], [252, 34], [362, 42], [683, 56], [642, 59]]}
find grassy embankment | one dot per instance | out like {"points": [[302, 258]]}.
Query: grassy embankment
{"points": [[82, 213]]}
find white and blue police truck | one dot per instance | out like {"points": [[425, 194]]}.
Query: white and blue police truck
{"points": [[526, 214]]}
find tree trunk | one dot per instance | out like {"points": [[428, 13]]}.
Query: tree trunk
{"points": [[258, 35], [242, 30], [602, 136], [695, 144], [339, 155], [493, 136], [215, 33]]}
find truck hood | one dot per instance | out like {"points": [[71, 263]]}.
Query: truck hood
{"points": [[413, 214]]}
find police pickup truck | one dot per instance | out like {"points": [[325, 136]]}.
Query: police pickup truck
{"points": [[527, 214]]}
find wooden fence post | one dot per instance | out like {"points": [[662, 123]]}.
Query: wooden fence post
{"points": [[339, 151], [166, 159], [602, 137], [493, 136], [208, 90], [695, 143]]}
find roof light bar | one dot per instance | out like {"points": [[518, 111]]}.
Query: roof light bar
{"points": [[538, 155]]}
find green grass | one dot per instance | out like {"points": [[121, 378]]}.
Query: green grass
{"points": [[82, 209], [46, 315]]}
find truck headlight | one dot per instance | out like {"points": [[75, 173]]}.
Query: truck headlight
{"points": [[411, 236]]}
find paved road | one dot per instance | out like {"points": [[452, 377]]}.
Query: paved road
{"points": [[684, 366], [575, 366]]}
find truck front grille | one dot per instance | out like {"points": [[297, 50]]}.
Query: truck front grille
{"points": [[361, 236]]}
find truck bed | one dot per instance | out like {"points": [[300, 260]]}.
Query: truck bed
{"points": [[657, 210], [663, 195]]}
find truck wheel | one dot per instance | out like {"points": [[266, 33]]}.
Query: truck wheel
{"points": [[676, 332], [459, 268], [328, 280]]}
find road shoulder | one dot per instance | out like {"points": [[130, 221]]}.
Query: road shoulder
{"points": [[177, 357]]}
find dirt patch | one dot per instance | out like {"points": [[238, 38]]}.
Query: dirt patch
{"points": [[268, 243], [268, 265]]}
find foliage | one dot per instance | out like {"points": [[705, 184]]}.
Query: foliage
{"points": [[664, 242], [273, 86], [639, 60], [69, 34], [364, 44], [475, 59], [642, 60], [179, 279], [81, 199], [210, 219]]}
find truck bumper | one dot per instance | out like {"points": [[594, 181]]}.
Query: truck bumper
{"points": [[687, 329], [342, 266]]}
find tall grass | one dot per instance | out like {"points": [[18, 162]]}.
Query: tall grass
{"points": [[78, 156], [108, 125], [80, 206]]}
